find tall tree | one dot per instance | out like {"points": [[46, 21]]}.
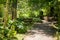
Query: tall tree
{"points": [[14, 9], [6, 13], [58, 7], [58, 21]]}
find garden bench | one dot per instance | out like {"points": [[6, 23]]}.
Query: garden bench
{"points": [[27, 20]]}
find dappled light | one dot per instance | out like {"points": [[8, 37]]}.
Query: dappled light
{"points": [[29, 19]]}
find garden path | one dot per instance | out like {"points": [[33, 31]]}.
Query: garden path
{"points": [[40, 31]]}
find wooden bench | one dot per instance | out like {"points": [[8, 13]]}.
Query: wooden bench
{"points": [[27, 20]]}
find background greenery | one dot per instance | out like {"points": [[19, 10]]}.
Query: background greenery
{"points": [[18, 16]]}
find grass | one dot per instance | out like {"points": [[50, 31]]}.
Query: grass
{"points": [[20, 36], [57, 36]]}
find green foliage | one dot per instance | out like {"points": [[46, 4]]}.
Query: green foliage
{"points": [[31, 8], [22, 26], [7, 34], [36, 20], [25, 11], [28, 12], [17, 25], [2, 1]]}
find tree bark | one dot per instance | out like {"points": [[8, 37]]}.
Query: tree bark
{"points": [[58, 11], [6, 14], [58, 14], [14, 9]]}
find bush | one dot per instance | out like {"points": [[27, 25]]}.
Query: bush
{"points": [[6, 34], [18, 26], [36, 20]]}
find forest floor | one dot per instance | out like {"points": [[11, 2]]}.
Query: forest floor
{"points": [[40, 31]]}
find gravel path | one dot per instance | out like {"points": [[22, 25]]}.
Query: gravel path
{"points": [[40, 32]]}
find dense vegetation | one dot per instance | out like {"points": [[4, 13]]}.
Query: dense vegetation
{"points": [[17, 16]]}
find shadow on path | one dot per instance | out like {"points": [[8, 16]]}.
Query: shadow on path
{"points": [[40, 31], [43, 28]]}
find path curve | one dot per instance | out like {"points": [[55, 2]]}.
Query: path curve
{"points": [[40, 32]]}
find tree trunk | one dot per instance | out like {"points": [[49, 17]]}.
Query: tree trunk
{"points": [[6, 14], [14, 9], [58, 11]]}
